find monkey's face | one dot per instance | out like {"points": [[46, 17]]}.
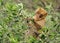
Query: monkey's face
{"points": [[40, 14]]}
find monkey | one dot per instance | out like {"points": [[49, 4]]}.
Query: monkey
{"points": [[36, 23], [39, 18]]}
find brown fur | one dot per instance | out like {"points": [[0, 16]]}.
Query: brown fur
{"points": [[39, 22]]}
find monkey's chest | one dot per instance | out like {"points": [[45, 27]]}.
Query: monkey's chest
{"points": [[32, 30]]}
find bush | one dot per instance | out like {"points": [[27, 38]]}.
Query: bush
{"points": [[13, 24]]}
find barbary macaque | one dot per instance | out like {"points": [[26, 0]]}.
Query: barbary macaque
{"points": [[38, 21]]}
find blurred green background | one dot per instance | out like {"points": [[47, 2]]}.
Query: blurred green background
{"points": [[13, 23]]}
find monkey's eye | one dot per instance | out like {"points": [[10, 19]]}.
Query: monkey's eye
{"points": [[40, 16]]}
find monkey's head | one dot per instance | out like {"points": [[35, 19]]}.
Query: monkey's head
{"points": [[40, 14]]}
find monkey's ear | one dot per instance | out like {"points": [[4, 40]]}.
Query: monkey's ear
{"points": [[46, 12]]}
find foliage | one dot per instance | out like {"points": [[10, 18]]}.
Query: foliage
{"points": [[13, 24]]}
